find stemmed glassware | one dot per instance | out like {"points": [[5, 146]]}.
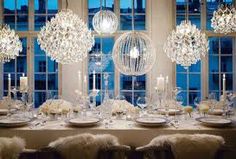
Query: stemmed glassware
{"points": [[142, 102], [213, 101]]}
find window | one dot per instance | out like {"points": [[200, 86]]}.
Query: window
{"points": [[220, 62], [126, 7], [15, 14], [32, 60]]}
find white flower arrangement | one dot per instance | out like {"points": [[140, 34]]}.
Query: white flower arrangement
{"points": [[55, 106]]}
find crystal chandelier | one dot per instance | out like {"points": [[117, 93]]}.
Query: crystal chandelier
{"points": [[133, 52], [186, 45], [10, 44], [66, 38], [224, 19], [105, 21]]}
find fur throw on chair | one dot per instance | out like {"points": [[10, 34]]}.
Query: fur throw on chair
{"points": [[186, 146], [84, 146], [10, 148]]}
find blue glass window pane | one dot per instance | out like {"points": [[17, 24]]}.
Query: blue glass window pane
{"points": [[22, 64], [39, 22], [22, 6], [37, 50], [90, 19], [126, 82], [214, 82], [181, 81], [22, 22], [139, 22], [10, 20], [110, 66], [126, 22], [40, 64], [213, 63], [139, 82], [9, 6], [98, 81], [180, 68], [40, 6], [109, 5], [140, 6], [194, 6], [9, 66], [192, 96], [127, 95], [226, 45], [229, 82], [52, 66], [195, 67], [125, 6], [184, 95], [214, 45], [52, 6], [40, 82], [194, 82], [39, 98], [108, 45], [24, 46], [226, 64], [52, 82], [93, 6]]}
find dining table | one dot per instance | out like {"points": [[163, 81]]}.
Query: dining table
{"points": [[39, 133]]}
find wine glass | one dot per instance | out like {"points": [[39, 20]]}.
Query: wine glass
{"points": [[142, 102], [197, 101], [106, 111], [179, 100], [212, 99]]}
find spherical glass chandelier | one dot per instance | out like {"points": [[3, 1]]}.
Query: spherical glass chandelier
{"points": [[66, 38], [186, 45], [133, 53], [10, 44], [105, 22], [224, 19]]}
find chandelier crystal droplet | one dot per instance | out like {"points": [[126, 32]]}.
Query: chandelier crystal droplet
{"points": [[133, 53], [10, 44], [66, 38], [224, 19], [105, 22], [186, 45]]}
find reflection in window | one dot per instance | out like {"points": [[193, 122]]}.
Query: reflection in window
{"points": [[15, 14], [220, 62]]}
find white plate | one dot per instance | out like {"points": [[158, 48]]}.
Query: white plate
{"points": [[3, 111], [151, 121], [214, 121], [216, 112], [84, 122], [14, 122], [171, 111]]}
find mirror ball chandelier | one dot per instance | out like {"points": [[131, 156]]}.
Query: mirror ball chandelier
{"points": [[66, 38], [133, 52], [105, 21], [187, 44], [224, 19], [10, 44]]}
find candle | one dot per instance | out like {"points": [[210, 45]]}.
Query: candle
{"points": [[167, 82], [79, 80], [23, 83], [9, 84], [224, 87], [85, 84], [160, 83], [94, 80]]}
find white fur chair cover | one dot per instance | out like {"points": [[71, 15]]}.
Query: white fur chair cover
{"points": [[84, 146], [184, 146], [10, 148]]}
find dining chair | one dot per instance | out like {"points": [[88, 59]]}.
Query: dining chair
{"points": [[167, 147]]}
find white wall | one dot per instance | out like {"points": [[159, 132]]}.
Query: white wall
{"points": [[159, 22]]}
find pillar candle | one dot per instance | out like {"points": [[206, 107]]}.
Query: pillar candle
{"points": [[23, 83], [9, 84], [224, 87], [160, 83]]}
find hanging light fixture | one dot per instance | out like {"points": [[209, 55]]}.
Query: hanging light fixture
{"points": [[10, 44], [186, 45], [105, 21], [66, 38], [133, 52], [224, 19]]}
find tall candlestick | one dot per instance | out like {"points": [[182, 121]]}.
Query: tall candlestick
{"points": [[9, 84], [224, 87], [94, 80], [85, 84], [160, 83], [167, 82], [79, 81], [23, 83]]}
